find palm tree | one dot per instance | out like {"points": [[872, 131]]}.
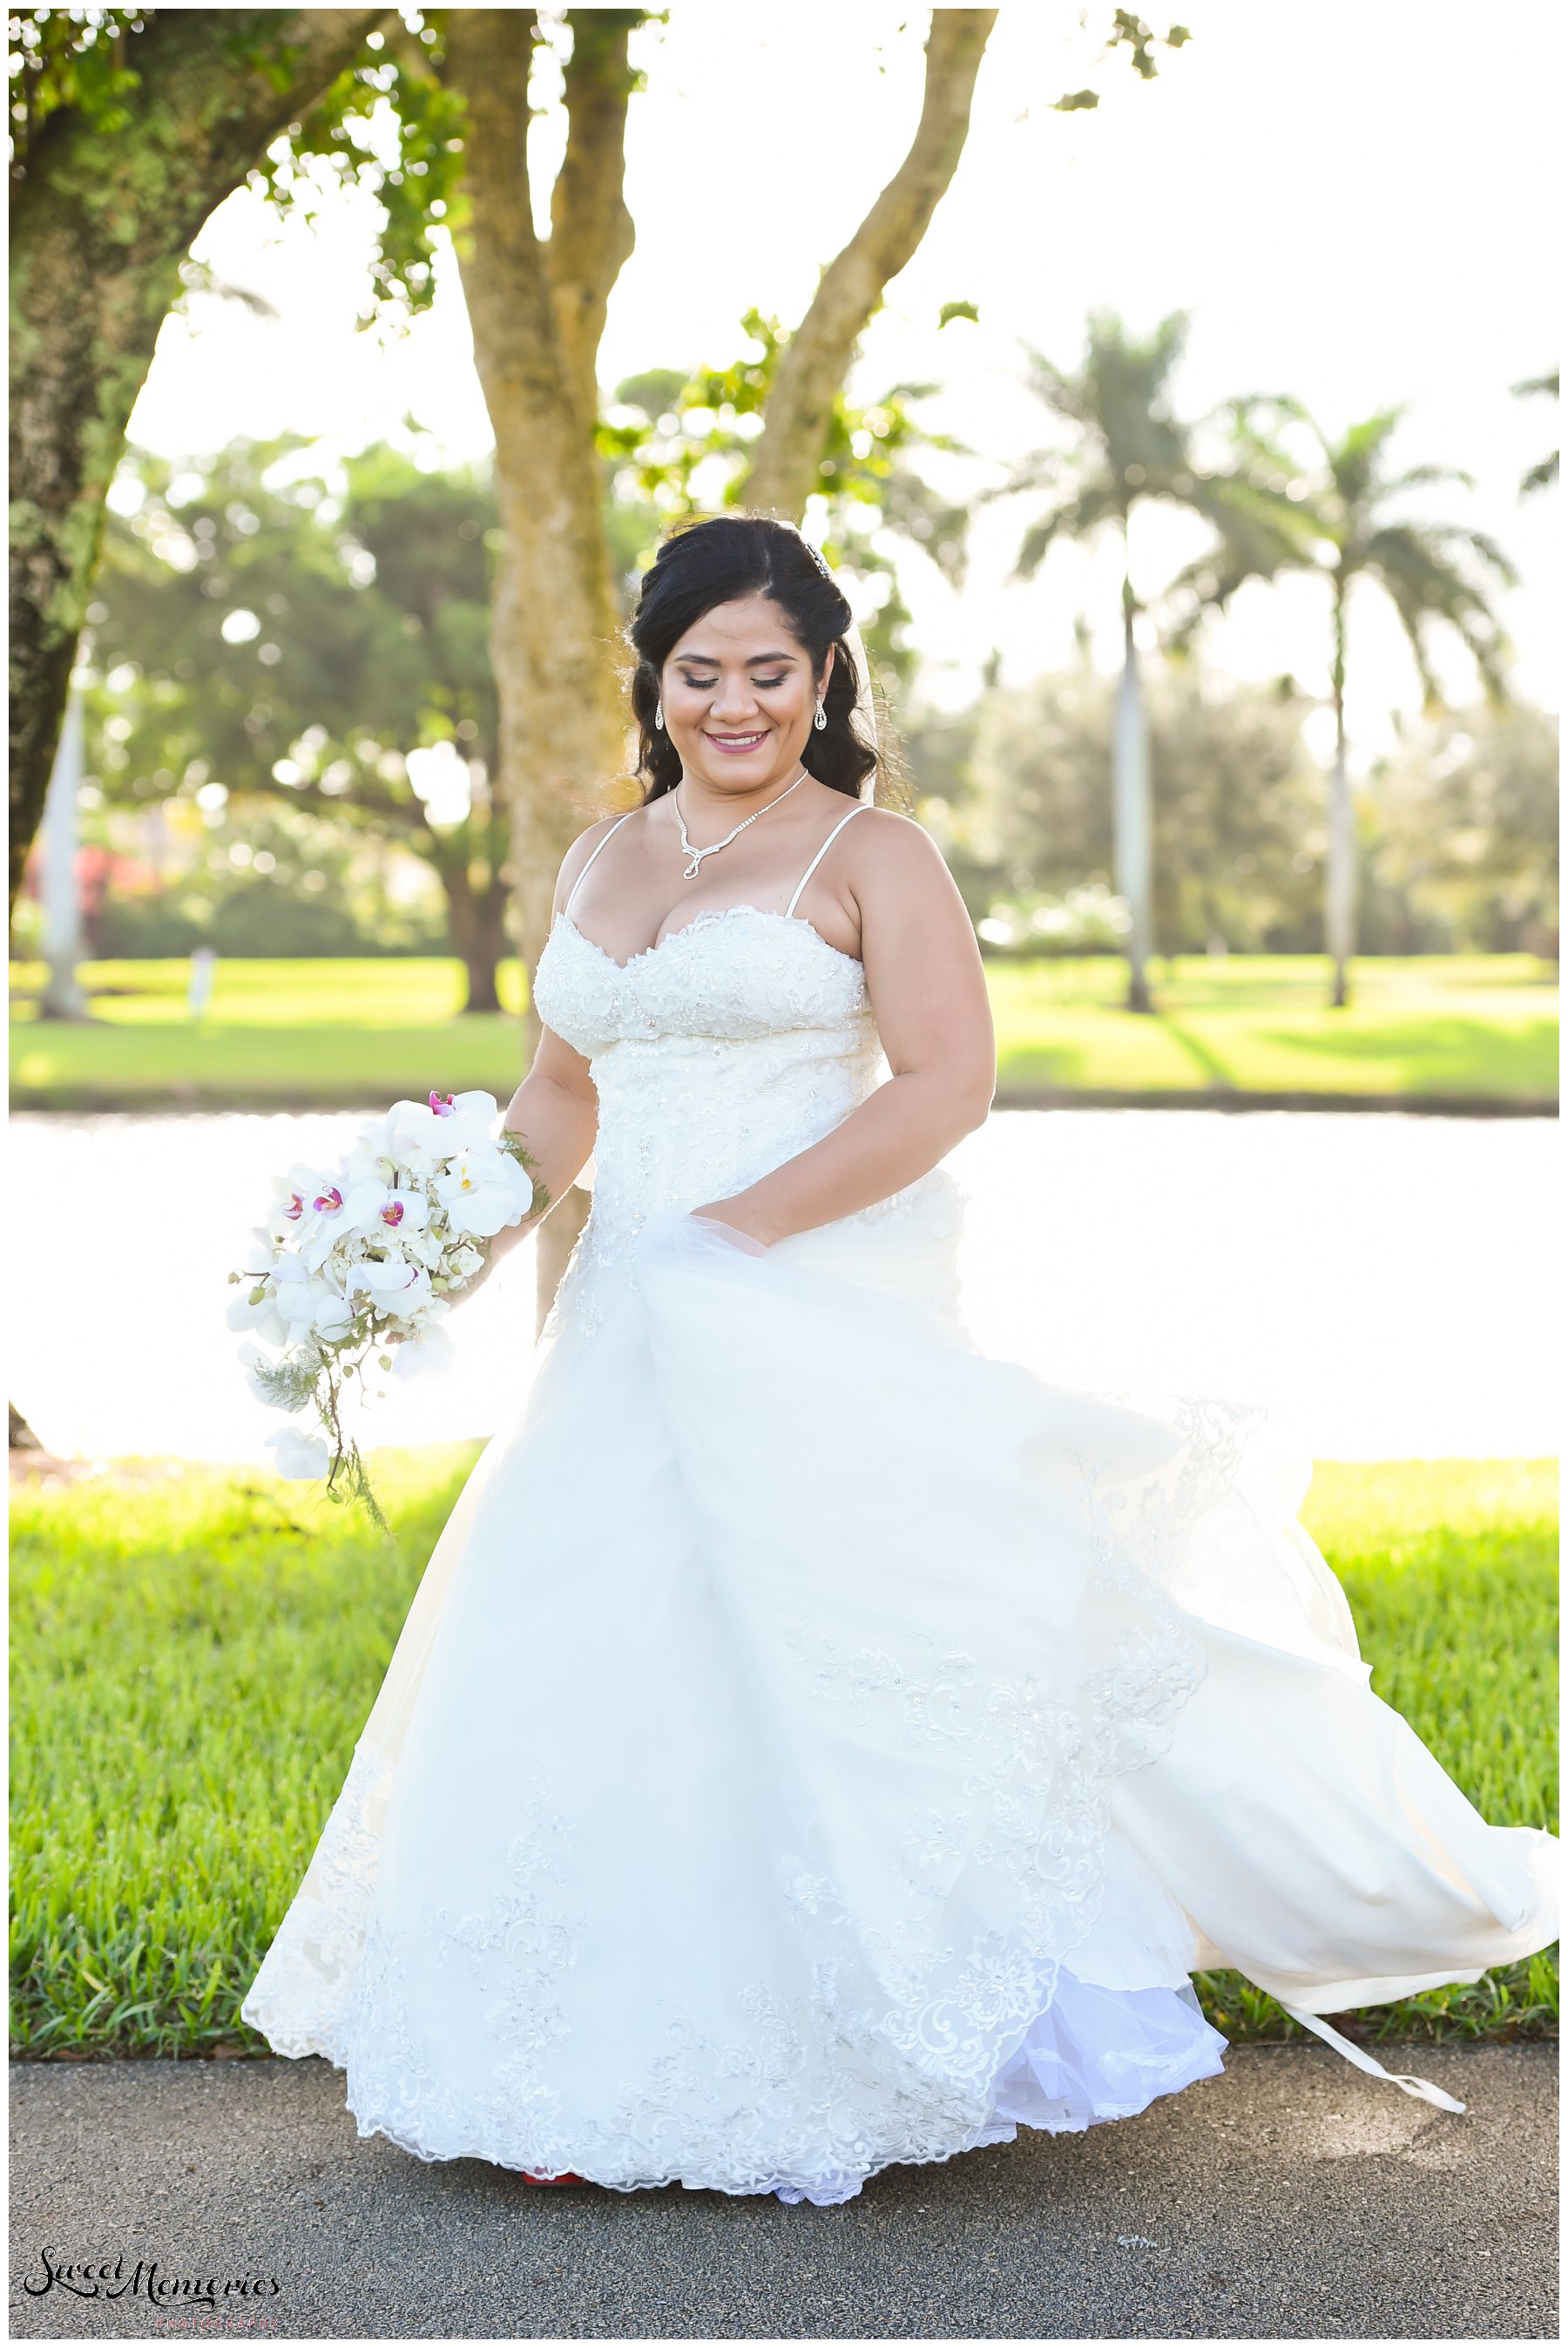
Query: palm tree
{"points": [[1128, 448], [1541, 476], [1437, 575]]}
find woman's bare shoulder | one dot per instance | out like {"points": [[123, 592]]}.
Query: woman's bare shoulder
{"points": [[586, 844], [891, 849]]}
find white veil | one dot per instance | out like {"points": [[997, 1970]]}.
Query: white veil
{"points": [[863, 718], [865, 712]]}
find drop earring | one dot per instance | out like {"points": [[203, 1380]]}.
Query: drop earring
{"points": [[659, 717], [820, 720]]}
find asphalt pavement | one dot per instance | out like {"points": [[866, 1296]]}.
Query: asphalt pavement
{"points": [[1291, 2198]]}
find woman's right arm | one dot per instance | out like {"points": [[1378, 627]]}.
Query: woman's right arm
{"points": [[554, 1114], [555, 1110]]}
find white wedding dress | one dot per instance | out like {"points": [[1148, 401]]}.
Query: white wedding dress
{"points": [[816, 1744]]}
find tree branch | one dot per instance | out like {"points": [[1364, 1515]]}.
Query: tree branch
{"points": [[99, 227], [817, 356], [363, 800], [517, 348], [591, 232]]}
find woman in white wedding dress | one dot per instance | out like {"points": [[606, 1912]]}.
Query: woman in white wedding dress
{"points": [[815, 1743]]}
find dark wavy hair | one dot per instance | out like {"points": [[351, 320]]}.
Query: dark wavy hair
{"points": [[704, 563]]}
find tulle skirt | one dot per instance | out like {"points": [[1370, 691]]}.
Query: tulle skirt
{"points": [[816, 1744]]}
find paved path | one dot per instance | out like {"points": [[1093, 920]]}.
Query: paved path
{"points": [[1290, 2198]]}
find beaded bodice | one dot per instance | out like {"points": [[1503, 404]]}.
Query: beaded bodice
{"points": [[735, 1043]]}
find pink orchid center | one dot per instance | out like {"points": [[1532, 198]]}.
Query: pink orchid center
{"points": [[443, 1105], [393, 1212], [329, 1202], [295, 1207]]}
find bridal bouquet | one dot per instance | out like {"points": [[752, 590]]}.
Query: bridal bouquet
{"points": [[360, 1265]]}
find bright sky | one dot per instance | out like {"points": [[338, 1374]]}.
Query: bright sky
{"points": [[1354, 199]]}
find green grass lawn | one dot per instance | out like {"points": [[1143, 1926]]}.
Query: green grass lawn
{"points": [[195, 1652], [287, 1033], [1464, 1026]]}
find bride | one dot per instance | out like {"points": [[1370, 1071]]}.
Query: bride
{"points": [[815, 1743]]}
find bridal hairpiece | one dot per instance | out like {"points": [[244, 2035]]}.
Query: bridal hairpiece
{"points": [[816, 555]]}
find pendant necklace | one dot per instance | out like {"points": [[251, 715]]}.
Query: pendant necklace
{"points": [[697, 854]]}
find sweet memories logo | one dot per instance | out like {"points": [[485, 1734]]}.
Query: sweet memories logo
{"points": [[149, 2279]]}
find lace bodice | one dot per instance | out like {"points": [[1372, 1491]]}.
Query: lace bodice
{"points": [[735, 1043]]}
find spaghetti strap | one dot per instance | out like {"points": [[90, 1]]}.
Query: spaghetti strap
{"points": [[602, 842], [821, 851]]}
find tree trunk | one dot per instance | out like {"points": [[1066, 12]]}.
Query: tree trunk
{"points": [[1131, 800], [591, 232], [554, 632], [553, 626], [816, 358], [99, 228], [1339, 892], [477, 919], [21, 1436]]}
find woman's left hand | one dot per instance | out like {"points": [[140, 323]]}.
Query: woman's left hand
{"points": [[734, 1216]]}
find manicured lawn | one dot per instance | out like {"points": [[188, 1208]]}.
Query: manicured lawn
{"points": [[195, 1652], [319, 1033], [1451, 1569], [278, 1034], [1461, 1026]]}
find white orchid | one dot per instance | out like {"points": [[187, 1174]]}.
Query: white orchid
{"points": [[394, 1285], [482, 1190], [291, 1195], [259, 1255], [257, 1367], [324, 1223], [430, 1248], [301, 1458], [437, 1127], [259, 1314], [334, 1314], [429, 1355], [369, 1161], [296, 1294], [378, 1209]]}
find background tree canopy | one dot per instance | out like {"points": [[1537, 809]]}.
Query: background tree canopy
{"points": [[1458, 829], [293, 741]]}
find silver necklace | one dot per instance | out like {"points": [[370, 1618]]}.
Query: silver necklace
{"points": [[696, 854]]}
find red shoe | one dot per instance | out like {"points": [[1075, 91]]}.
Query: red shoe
{"points": [[567, 2177]]}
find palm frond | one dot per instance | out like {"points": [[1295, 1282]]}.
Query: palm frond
{"points": [[1048, 469], [1040, 536], [1205, 585], [930, 522], [1064, 393], [1264, 525], [1421, 477], [1421, 571], [1353, 459], [1483, 544]]}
